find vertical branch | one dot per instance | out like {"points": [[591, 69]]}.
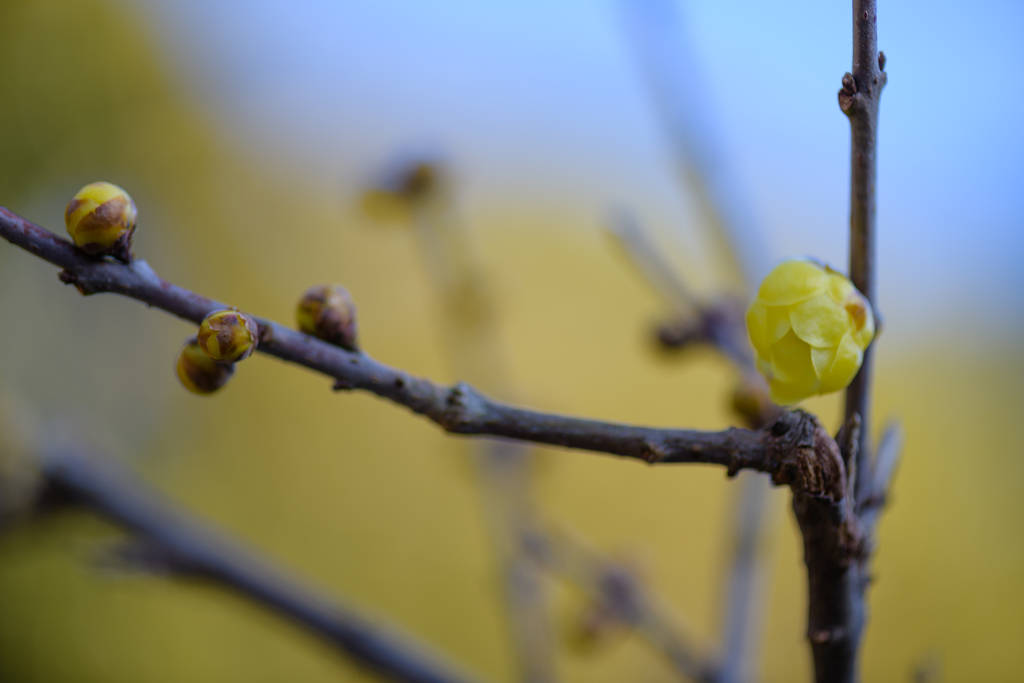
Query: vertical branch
{"points": [[859, 99]]}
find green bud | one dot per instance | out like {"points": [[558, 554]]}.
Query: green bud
{"points": [[101, 220], [199, 373], [327, 312], [228, 336]]}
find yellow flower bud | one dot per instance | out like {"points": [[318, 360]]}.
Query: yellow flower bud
{"points": [[101, 220], [228, 336], [327, 312], [199, 373], [810, 327]]}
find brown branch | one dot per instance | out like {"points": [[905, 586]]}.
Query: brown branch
{"points": [[183, 545], [838, 557], [459, 409], [859, 99]]}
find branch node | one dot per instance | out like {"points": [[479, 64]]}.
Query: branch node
{"points": [[69, 278], [802, 455], [847, 95], [462, 406]]}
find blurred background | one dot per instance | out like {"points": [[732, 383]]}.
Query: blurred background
{"points": [[247, 133]]}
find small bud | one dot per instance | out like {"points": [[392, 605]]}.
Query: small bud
{"points": [[810, 327], [327, 312], [395, 197], [101, 220], [228, 336], [199, 373]]}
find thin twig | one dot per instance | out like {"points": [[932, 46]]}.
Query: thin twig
{"points": [[890, 448], [503, 468], [506, 466], [459, 409], [859, 99], [192, 547], [653, 267], [620, 592], [674, 79]]}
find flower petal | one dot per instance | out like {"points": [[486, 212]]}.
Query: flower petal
{"points": [[778, 323], [786, 394], [792, 282], [839, 286], [791, 360], [848, 359], [820, 321], [757, 327], [822, 360]]}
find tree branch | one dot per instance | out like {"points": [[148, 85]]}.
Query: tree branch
{"points": [[459, 409], [859, 99], [186, 545]]}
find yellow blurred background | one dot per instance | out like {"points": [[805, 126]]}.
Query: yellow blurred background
{"points": [[378, 506]]}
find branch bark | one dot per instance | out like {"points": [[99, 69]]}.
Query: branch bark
{"points": [[192, 548], [838, 564], [459, 409], [859, 99]]}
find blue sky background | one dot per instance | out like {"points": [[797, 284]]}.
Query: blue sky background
{"points": [[542, 104]]}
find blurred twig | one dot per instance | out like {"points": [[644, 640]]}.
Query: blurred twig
{"points": [[169, 541], [618, 590], [506, 468], [674, 80]]}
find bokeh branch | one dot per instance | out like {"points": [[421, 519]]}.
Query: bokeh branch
{"points": [[171, 541], [504, 469], [507, 469], [673, 75], [622, 596]]}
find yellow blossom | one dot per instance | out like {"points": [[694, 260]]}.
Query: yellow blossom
{"points": [[809, 326]]}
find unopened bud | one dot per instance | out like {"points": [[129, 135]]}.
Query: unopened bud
{"points": [[101, 220], [327, 312], [199, 373], [228, 336]]}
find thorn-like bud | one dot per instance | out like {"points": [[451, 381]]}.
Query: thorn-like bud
{"points": [[228, 336], [881, 61], [848, 93], [199, 373], [101, 220], [327, 312]]}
